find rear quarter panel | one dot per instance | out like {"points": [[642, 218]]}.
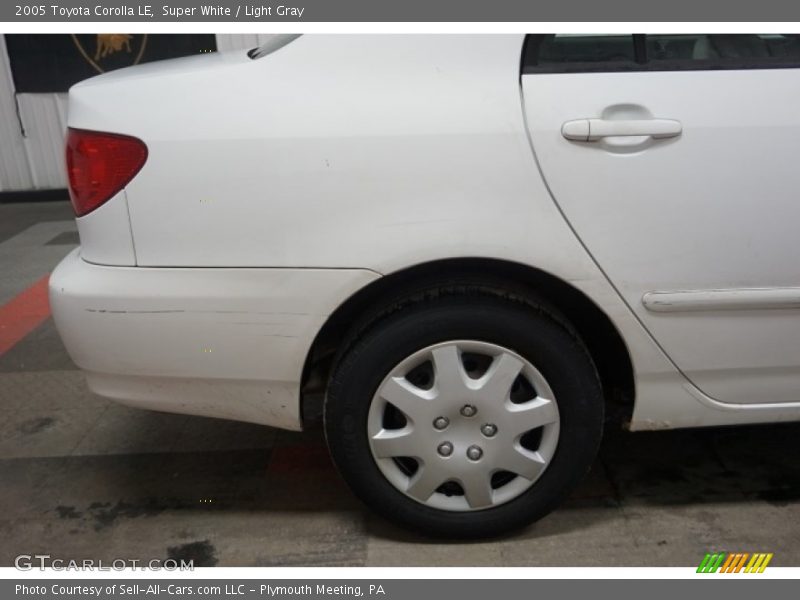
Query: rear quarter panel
{"points": [[337, 151]]}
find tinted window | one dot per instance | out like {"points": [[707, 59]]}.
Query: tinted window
{"points": [[723, 48], [584, 53], [559, 49]]}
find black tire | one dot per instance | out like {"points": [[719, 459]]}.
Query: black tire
{"points": [[531, 331]]}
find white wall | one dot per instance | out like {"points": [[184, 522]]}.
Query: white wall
{"points": [[15, 172], [44, 118], [34, 161]]}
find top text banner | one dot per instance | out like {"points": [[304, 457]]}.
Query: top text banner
{"points": [[31, 11]]}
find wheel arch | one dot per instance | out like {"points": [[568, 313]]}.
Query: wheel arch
{"points": [[502, 278]]}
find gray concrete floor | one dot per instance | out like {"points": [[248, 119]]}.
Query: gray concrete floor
{"points": [[83, 478]]}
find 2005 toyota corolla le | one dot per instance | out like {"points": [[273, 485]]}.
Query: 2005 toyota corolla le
{"points": [[470, 244]]}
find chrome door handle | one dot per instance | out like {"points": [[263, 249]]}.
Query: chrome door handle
{"points": [[590, 130]]}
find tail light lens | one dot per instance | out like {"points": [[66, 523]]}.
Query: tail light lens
{"points": [[99, 165]]}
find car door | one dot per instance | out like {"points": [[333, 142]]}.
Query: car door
{"points": [[675, 160]]}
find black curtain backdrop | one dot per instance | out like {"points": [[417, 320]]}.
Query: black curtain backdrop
{"points": [[53, 62]]}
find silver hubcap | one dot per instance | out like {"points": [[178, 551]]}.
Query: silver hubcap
{"points": [[463, 425]]}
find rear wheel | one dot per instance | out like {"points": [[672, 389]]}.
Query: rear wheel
{"points": [[464, 416]]}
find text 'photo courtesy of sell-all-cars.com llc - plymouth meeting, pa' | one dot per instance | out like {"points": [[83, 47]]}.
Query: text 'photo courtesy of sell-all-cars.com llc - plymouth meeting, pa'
{"points": [[474, 247]]}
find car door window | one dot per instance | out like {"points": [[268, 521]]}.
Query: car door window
{"points": [[578, 49], [579, 53], [659, 52], [725, 50]]}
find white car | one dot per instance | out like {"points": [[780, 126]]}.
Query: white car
{"points": [[471, 245]]}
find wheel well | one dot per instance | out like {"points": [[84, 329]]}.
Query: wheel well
{"points": [[508, 279]]}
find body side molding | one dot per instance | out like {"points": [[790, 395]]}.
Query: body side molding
{"points": [[727, 299]]}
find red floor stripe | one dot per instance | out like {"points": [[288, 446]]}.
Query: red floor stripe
{"points": [[23, 313]]}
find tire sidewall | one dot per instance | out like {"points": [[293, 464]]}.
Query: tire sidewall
{"points": [[552, 349]]}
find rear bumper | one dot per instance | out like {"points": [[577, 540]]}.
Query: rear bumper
{"points": [[222, 342]]}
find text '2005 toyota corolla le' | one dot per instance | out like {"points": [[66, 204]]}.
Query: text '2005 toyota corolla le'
{"points": [[471, 245]]}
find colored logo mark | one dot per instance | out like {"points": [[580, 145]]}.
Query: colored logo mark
{"points": [[735, 562]]}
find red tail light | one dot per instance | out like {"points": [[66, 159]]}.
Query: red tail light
{"points": [[99, 165]]}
